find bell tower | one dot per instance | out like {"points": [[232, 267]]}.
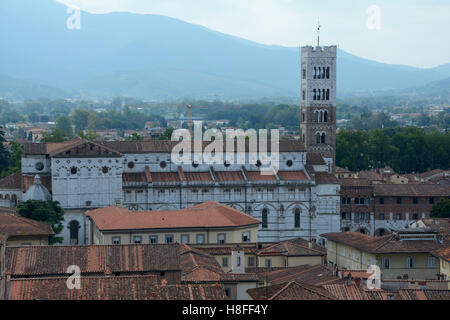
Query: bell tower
{"points": [[318, 101]]}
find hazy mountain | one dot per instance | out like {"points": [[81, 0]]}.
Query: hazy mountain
{"points": [[12, 88], [149, 56]]}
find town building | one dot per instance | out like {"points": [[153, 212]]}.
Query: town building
{"points": [[208, 223], [404, 254], [443, 254]]}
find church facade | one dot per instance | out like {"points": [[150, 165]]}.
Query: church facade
{"points": [[300, 199]]}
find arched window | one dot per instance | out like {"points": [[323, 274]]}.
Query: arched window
{"points": [[325, 116], [315, 72], [297, 218], [316, 116], [328, 94], [318, 138], [324, 94], [264, 219], [324, 73], [315, 94], [328, 73], [74, 226], [323, 138]]}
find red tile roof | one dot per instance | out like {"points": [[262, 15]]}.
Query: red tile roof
{"points": [[226, 176], [258, 176], [290, 291], [198, 176], [54, 260], [385, 244], [165, 177], [207, 215], [295, 248], [355, 292], [110, 288], [443, 253], [12, 182], [292, 175], [317, 275], [325, 178], [15, 225], [412, 190], [315, 159], [410, 294]]}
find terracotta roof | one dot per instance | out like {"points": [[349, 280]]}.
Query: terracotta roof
{"points": [[258, 176], [134, 177], [226, 176], [317, 275], [292, 175], [355, 292], [443, 253], [294, 248], [46, 181], [325, 178], [410, 190], [198, 266], [290, 291], [209, 215], [370, 175], [385, 244], [12, 182], [410, 294], [15, 225], [111, 288], [315, 159], [431, 173], [226, 250], [342, 170], [165, 177], [198, 176], [349, 182], [54, 260], [439, 225]]}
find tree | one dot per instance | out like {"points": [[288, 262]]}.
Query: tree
{"points": [[80, 119], [135, 137], [49, 212], [442, 209], [4, 154], [91, 136], [64, 124], [15, 159], [56, 136], [167, 135]]}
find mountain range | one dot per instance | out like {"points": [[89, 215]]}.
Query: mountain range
{"points": [[157, 57]]}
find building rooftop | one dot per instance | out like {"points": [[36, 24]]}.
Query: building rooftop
{"points": [[207, 215], [411, 190], [293, 290], [54, 260], [386, 244], [294, 248], [12, 182], [111, 288], [12, 225]]}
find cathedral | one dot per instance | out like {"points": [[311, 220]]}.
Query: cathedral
{"points": [[300, 199]]}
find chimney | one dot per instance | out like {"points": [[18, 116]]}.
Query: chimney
{"points": [[238, 262], [310, 245]]}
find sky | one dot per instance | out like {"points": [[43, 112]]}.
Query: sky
{"points": [[409, 32]]}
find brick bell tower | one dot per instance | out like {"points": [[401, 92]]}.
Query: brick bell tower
{"points": [[318, 101]]}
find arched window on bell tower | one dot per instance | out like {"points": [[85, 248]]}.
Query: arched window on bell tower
{"points": [[323, 140], [314, 94], [328, 72], [315, 73], [318, 137], [328, 94], [325, 116]]}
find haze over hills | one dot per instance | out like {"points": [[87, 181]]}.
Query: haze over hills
{"points": [[156, 57]]}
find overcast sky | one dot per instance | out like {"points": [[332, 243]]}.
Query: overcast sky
{"points": [[411, 32]]}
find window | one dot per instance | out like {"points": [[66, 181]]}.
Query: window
{"points": [[289, 163], [415, 216], [268, 263], [431, 262], [246, 236], [73, 170], [399, 200], [297, 218], [137, 240], [324, 136], [303, 98], [381, 216], [39, 166], [116, 240], [251, 261], [410, 263], [105, 169], [399, 216], [362, 216], [169, 238], [131, 165], [228, 292], [185, 238], [431, 200], [221, 238], [304, 73], [153, 239], [200, 239], [381, 200], [264, 219], [224, 262], [163, 164], [415, 200], [386, 263]]}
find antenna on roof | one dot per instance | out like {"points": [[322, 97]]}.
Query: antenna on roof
{"points": [[318, 32]]}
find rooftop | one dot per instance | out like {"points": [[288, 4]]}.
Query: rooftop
{"points": [[110, 288], [12, 225], [290, 291], [294, 247], [207, 215]]}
